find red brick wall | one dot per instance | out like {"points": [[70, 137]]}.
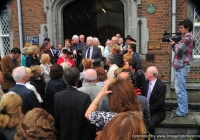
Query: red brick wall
{"points": [[32, 16], [159, 22]]}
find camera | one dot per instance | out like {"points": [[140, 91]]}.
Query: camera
{"points": [[167, 36]]}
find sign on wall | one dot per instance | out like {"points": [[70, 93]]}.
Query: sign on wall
{"points": [[32, 39], [151, 9]]}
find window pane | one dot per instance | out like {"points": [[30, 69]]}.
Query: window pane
{"points": [[197, 40]]}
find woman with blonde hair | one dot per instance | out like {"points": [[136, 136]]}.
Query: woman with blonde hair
{"points": [[37, 124], [31, 87], [10, 114], [37, 81], [130, 122], [25, 53], [45, 66], [32, 58]]}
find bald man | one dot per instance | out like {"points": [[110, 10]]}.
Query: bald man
{"points": [[155, 91], [89, 84]]}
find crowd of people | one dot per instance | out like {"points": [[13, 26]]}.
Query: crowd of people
{"points": [[80, 91]]}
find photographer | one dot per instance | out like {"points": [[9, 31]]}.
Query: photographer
{"points": [[183, 54]]}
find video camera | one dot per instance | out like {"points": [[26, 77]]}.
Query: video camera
{"points": [[168, 36]]}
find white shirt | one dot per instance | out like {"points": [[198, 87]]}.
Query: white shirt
{"points": [[110, 73]]}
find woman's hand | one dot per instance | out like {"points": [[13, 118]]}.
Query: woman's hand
{"points": [[104, 91]]}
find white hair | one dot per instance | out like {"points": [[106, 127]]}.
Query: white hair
{"points": [[18, 73], [90, 75], [90, 38], [75, 37], [95, 39]]}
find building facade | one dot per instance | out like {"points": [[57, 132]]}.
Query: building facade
{"points": [[145, 21]]}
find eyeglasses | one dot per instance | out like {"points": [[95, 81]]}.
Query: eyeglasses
{"points": [[64, 53]]}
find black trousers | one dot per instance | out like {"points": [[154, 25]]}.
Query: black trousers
{"points": [[155, 120]]}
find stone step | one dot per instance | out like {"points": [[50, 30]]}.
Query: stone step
{"points": [[193, 90], [193, 95], [179, 128], [171, 103]]}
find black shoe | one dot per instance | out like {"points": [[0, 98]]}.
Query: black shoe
{"points": [[175, 115]]}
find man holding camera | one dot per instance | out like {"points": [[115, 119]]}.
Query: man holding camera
{"points": [[183, 54]]}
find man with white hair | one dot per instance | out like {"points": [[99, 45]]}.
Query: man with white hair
{"points": [[121, 43], [91, 52], [89, 87], [108, 48], [97, 44], [110, 60], [29, 98], [77, 45], [155, 91]]}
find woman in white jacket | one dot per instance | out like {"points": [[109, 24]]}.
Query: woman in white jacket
{"points": [[45, 66]]}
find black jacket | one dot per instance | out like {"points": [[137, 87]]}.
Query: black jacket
{"points": [[139, 79], [29, 99], [70, 106], [53, 86], [30, 61], [119, 60]]}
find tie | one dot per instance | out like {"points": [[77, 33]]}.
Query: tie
{"points": [[149, 92], [76, 46], [88, 53]]}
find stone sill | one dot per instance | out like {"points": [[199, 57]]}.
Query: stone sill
{"points": [[192, 120]]}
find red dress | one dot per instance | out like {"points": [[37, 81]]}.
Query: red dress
{"points": [[68, 59]]}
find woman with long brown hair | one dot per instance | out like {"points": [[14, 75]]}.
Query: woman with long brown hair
{"points": [[130, 122], [121, 99]]}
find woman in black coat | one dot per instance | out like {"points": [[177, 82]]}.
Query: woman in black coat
{"points": [[37, 81], [32, 58], [54, 85]]}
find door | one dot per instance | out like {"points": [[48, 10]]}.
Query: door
{"points": [[77, 18]]}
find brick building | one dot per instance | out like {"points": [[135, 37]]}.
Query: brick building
{"points": [[144, 20]]}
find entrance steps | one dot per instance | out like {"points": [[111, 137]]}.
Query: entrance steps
{"points": [[181, 128]]}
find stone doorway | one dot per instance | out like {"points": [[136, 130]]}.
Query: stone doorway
{"points": [[87, 17], [77, 18]]}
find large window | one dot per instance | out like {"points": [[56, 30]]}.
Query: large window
{"points": [[196, 52], [4, 34]]}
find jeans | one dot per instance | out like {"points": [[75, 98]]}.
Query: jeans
{"points": [[181, 75]]}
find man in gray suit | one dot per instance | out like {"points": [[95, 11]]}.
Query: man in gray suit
{"points": [[91, 52], [89, 86]]}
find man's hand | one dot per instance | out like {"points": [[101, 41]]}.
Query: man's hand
{"points": [[92, 60], [171, 42], [74, 52]]}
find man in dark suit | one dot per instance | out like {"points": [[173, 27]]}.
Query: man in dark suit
{"points": [[70, 106], [91, 52], [29, 98], [155, 91], [76, 45]]}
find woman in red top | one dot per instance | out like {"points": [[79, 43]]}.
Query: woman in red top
{"points": [[65, 58]]}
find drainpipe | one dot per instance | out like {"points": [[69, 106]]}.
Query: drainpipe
{"points": [[173, 31], [20, 23]]}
